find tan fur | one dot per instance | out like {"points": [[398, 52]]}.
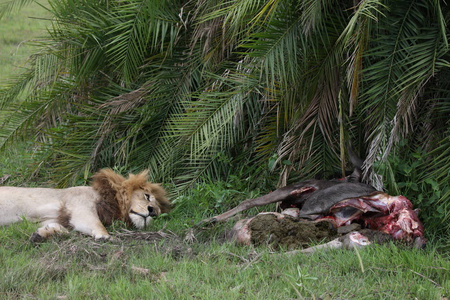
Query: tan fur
{"points": [[86, 209]]}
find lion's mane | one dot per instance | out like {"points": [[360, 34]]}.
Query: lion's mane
{"points": [[115, 193]]}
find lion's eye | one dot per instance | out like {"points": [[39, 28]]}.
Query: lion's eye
{"points": [[147, 197]]}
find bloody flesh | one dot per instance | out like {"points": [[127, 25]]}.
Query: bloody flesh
{"points": [[390, 214]]}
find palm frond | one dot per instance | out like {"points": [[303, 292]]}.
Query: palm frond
{"points": [[401, 67], [276, 50], [139, 29], [208, 126], [356, 36]]}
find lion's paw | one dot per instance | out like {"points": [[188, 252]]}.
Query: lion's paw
{"points": [[102, 237], [36, 238]]}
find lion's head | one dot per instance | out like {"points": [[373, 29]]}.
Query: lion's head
{"points": [[134, 200]]}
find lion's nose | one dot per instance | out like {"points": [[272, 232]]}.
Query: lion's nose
{"points": [[151, 211]]}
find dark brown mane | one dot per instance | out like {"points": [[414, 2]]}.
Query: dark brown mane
{"points": [[160, 195], [107, 183]]}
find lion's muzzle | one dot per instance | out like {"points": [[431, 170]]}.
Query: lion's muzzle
{"points": [[141, 220], [151, 212]]}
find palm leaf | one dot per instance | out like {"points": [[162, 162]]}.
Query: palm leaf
{"points": [[397, 78]]}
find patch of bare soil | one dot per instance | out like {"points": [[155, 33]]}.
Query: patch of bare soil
{"points": [[149, 236], [88, 254], [288, 233]]}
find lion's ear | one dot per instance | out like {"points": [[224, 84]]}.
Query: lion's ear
{"points": [[143, 174], [136, 181]]}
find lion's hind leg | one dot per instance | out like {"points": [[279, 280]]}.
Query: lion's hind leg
{"points": [[46, 231]]}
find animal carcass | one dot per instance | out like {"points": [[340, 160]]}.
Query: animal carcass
{"points": [[341, 203]]}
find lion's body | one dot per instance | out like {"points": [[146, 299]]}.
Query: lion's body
{"points": [[86, 209], [41, 204]]}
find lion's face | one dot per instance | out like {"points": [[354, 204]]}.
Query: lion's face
{"points": [[144, 207]]}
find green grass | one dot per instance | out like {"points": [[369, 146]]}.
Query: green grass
{"points": [[17, 32], [76, 267]]}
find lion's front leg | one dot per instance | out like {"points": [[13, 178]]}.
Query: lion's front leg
{"points": [[88, 223], [46, 231], [96, 230]]}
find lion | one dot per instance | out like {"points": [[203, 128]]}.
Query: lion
{"points": [[86, 209]]}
